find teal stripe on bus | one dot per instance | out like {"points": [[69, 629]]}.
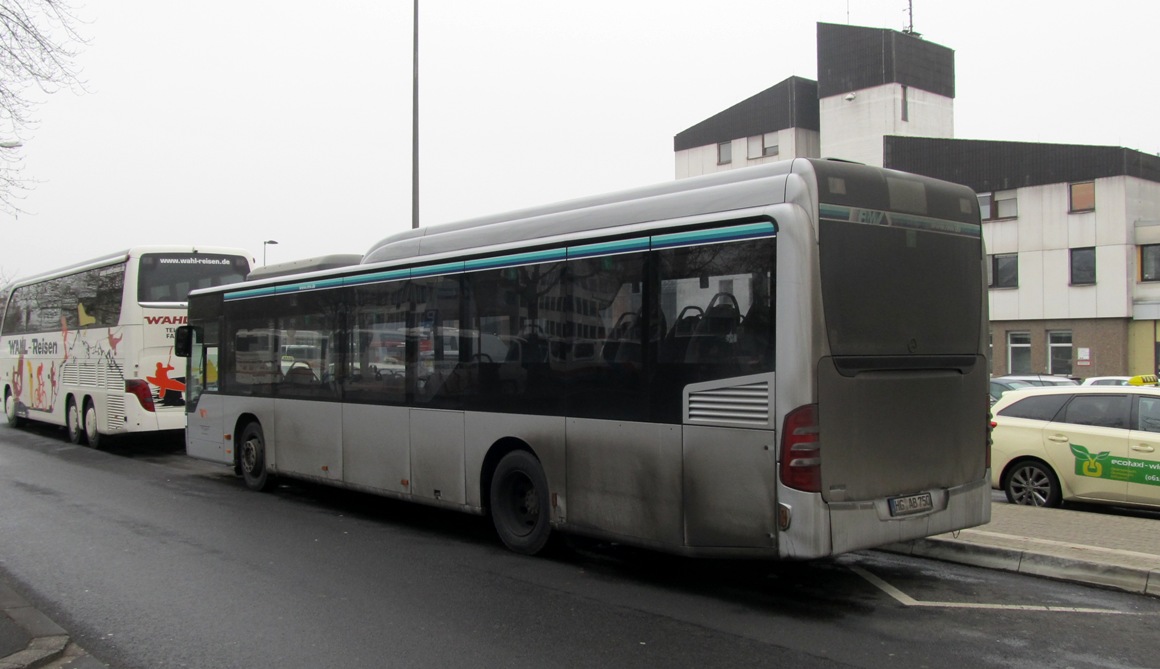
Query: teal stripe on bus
{"points": [[713, 235], [609, 248], [442, 268], [377, 277], [253, 292], [529, 258], [310, 285], [897, 220]]}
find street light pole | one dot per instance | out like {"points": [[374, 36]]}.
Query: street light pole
{"points": [[264, 245], [415, 128]]}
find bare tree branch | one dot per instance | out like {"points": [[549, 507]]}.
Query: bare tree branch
{"points": [[38, 46]]}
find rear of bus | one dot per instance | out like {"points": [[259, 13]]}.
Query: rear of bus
{"points": [[163, 282], [892, 445]]}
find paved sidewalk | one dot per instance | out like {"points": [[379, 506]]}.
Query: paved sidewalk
{"points": [[1112, 548]]}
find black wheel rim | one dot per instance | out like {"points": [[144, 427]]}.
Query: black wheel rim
{"points": [[520, 502]]}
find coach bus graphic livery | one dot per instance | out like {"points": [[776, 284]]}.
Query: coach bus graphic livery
{"points": [[90, 347], [784, 361]]}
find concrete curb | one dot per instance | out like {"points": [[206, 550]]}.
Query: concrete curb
{"points": [[1130, 579], [48, 640]]}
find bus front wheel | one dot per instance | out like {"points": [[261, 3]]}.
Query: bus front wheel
{"points": [[519, 503], [92, 435], [252, 458], [72, 419]]}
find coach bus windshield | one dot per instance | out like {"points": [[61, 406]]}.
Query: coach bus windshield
{"points": [[168, 277]]}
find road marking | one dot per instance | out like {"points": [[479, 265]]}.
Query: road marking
{"points": [[907, 600], [1064, 544]]}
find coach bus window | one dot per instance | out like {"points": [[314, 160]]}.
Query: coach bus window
{"points": [[376, 369], [605, 369], [717, 304], [434, 331], [515, 343]]}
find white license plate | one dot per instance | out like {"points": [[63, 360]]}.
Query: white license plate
{"points": [[904, 506]]}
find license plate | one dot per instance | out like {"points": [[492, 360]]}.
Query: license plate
{"points": [[904, 506]]}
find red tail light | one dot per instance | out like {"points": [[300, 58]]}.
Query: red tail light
{"points": [[801, 455], [141, 390]]}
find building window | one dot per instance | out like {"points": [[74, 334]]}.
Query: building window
{"points": [[1150, 262], [1083, 196], [1003, 271], [1000, 204], [1083, 266], [724, 153], [1059, 352], [905, 105], [1018, 352], [769, 144]]}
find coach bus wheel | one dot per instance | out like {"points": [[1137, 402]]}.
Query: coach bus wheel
{"points": [[519, 503], [10, 411], [1034, 484], [72, 419], [252, 454], [91, 433]]}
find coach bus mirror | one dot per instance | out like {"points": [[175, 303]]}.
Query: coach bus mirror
{"points": [[183, 340]]}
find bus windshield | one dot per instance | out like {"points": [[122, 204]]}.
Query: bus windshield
{"points": [[168, 277]]}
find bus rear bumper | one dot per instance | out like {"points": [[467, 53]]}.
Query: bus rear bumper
{"points": [[868, 524]]}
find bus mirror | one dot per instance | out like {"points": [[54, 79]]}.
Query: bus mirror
{"points": [[183, 340]]}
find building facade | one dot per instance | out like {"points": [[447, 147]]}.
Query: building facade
{"points": [[1072, 231]]}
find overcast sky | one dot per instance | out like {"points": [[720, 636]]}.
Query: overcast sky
{"points": [[230, 122]]}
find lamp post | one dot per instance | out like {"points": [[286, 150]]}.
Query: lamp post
{"points": [[264, 245]]}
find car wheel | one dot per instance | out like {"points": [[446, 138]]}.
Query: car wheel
{"points": [[91, 434], [519, 503], [1033, 483], [72, 419], [252, 458]]}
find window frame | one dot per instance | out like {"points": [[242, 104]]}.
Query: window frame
{"points": [[1012, 345], [1052, 345], [1144, 277], [993, 269], [725, 153], [1074, 281], [1071, 197], [990, 210]]}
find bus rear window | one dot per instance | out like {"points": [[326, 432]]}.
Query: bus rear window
{"points": [[890, 291], [169, 277]]}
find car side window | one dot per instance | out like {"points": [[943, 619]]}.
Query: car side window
{"points": [[1098, 410], [1043, 407], [1148, 418]]}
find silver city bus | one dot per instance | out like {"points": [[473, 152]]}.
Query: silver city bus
{"points": [[784, 361]]}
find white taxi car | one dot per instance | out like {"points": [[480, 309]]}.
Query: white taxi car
{"points": [[1085, 443]]}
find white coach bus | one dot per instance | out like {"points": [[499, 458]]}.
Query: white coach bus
{"points": [[782, 361], [90, 346]]}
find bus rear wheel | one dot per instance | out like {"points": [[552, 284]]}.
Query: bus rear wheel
{"points": [[72, 419], [10, 411], [519, 503], [92, 435], [252, 458]]}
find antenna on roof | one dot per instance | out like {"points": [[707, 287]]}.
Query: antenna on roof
{"points": [[909, 29]]}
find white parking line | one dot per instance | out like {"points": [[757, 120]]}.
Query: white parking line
{"points": [[907, 600]]}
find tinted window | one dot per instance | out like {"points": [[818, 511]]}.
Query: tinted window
{"points": [[87, 299], [1043, 407], [1148, 416], [1098, 410], [168, 277]]}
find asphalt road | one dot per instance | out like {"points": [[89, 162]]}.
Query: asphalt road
{"points": [[151, 559]]}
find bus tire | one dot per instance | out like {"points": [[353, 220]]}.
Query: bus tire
{"points": [[72, 420], [10, 410], [92, 434], [1032, 483], [252, 457], [519, 503]]}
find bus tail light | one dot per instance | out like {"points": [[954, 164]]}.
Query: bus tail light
{"points": [[801, 461], [140, 389]]}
